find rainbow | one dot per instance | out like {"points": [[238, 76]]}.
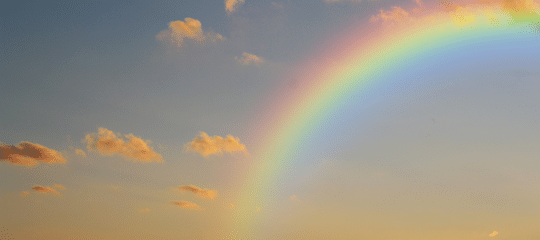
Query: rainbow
{"points": [[351, 65]]}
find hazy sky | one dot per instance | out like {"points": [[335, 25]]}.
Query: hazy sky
{"points": [[169, 120]]}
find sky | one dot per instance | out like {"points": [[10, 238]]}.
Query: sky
{"points": [[279, 119]]}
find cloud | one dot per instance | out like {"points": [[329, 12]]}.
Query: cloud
{"points": [[24, 194], [333, 1], [44, 190], [204, 193], [295, 198], [249, 59], [518, 5], [461, 13], [232, 5], [108, 143], [178, 32], [59, 186], [461, 16], [493, 234], [398, 15], [80, 152], [28, 154], [206, 145], [144, 210], [185, 204], [278, 5]]}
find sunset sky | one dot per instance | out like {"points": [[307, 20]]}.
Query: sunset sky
{"points": [[278, 119]]}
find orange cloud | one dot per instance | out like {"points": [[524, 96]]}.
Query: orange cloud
{"points": [[249, 59], [178, 32], [461, 12], [461, 16], [398, 15], [333, 1], [493, 234], [80, 152], [295, 198], [28, 154], [144, 210], [232, 5], [204, 193], [107, 143], [206, 145], [188, 205], [59, 186], [24, 194], [518, 5], [44, 190]]}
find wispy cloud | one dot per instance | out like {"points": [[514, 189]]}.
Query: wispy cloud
{"points": [[232, 5], [189, 29], [108, 143], [29, 154], [44, 190], [80, 152], [59, 186], [249, 59], [206, 145], [460, 12], [144, 210], [334, 1], [278, 5], [204, 193], [295, 198], [184, 204], [493, 234], [398, 15], [24, 194]]}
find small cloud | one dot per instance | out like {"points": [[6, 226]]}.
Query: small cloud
{"points": [[204, 193], [249, 59], [184, 204], [108, 143], [29, 154], [44, 190], [398, 15], [59, 186], [80, 152], [24, 194], [461, 16], [519, 5], [232, 5], [144, 210], [334, 1], [206, 145], [179, 31], [232, 206], [278, 5], [493, 234], [295, 198]]}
